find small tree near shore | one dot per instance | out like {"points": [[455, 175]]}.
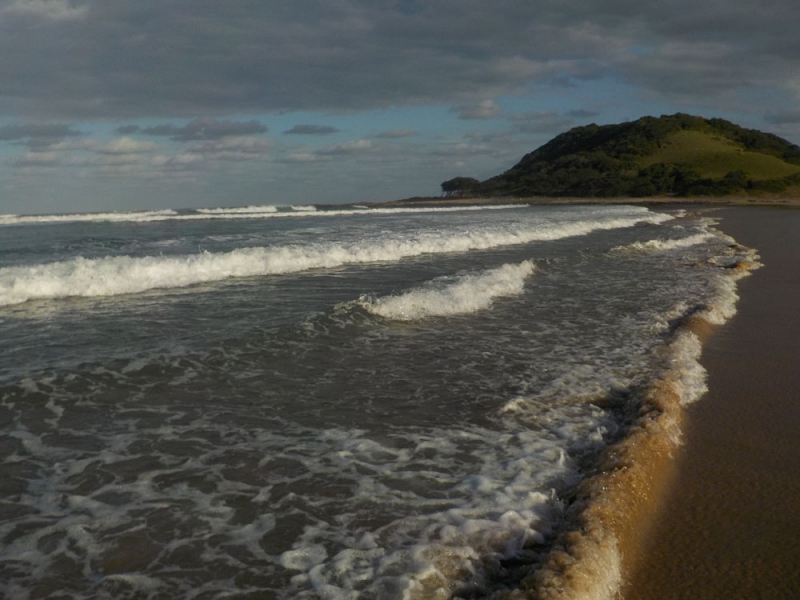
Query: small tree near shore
{"points": [[459, 187]]}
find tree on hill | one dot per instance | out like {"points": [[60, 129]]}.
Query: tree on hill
{"points": [[459, 187]]}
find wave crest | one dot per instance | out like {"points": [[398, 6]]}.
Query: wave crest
{"points": [[468, 294], [659, 245], [244, 210], [110, 276]]}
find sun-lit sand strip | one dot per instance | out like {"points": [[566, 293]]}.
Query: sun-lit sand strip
{"points": [[730, 524]]}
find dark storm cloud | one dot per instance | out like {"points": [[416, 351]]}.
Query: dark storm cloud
{"points": [[37, 134], [311, 130], [115, 58], [205, 129]]}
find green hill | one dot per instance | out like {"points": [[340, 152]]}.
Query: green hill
{"points": [[679, 155]]}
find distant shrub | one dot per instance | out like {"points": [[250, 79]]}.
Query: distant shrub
{"points": [[460, 186], [769, 185]]}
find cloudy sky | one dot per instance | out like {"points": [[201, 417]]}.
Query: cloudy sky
{"points": [[136, 104]]}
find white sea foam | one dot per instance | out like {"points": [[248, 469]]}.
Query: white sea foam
{"points": [[267, 212], [682, 353], [595, 570], [112, 276], [687, 373], [724, 298], [491, 509], [244, 210], [686, 347], [304, 208], [141, 216], [444, 297], [249, 212], [492, 512], [663, 245]]}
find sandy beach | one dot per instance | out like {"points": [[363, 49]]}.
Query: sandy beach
{"points": [[729, 527]]}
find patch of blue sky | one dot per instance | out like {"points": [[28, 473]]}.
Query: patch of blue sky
{"points": [[421, 120]]}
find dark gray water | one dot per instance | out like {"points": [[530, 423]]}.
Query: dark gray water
{"points": [[344, 405]]}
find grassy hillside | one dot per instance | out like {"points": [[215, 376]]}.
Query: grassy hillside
{"points": [[715, 156], [671, 155]]}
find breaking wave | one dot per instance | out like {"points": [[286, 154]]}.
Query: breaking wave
{"points": [[445, 297], [247, 212], [242, 210], [663, 245], [110, 276], [140, 216]]}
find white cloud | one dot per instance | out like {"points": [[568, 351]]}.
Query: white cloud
{"points": [[240, 145], [486, 109], [302, 157], [102, 161], [178, 161], [37, 159], [126, 145], [462, 149], [123, 145], [54, 10], [348, 147]]}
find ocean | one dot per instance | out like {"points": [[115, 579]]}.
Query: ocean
{"points": [[298, 402]]}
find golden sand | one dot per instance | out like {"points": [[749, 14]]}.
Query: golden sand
{"points": [[731, 523]]}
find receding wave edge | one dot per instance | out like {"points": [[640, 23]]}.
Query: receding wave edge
{"points": [[604, 523]]}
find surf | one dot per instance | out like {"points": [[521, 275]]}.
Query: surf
{"points": [[117, 275]]}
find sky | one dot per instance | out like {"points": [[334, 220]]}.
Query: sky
{"points": [[144, 104]]}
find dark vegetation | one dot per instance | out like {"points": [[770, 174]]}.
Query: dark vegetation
{"points": [[460, 186], [675, 155]]}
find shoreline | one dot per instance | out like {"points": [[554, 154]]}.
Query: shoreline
{"points": [[655, 201], [729, 522], [609, 524], [689, 533]]}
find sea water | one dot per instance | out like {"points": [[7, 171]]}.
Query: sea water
{"points": [[273, 402]]}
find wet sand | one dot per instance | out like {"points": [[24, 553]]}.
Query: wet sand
{"points": [[730, 527]]}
